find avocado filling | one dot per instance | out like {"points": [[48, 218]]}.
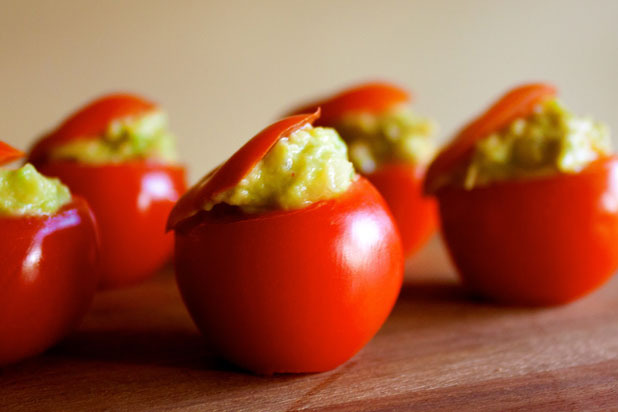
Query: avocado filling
{"points": [[398, 135], [308, 166], [551, 140], [27, 192], [143, 137]]}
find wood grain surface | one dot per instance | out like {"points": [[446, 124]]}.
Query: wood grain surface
{"points": [[440, 350]]}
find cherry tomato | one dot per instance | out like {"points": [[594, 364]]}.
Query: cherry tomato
{"points": [[536, 241], [131, 200], [48, 278], [286, 291], [400, 184]]}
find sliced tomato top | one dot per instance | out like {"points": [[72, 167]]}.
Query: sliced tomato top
{"points": [[517, 103], [91, 121], [230, 173], [9, 153], [372, 97]]}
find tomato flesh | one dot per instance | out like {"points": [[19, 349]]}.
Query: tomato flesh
{"points": [[131, 202], [48, 278], [292, 291], [538, 241]]}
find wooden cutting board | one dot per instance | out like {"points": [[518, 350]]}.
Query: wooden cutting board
{"points": [[440, 350]]}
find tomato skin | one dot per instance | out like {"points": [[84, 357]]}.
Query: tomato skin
{"points": [[518, 102], [292, 291], [401, 185], [236, 167], [90, 121], [539, 241], [370, 97], [131, 202], [9, 154], [48, 278]]}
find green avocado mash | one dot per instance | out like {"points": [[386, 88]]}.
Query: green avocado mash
{"points": [[144, 137], [398, 135], [552, 140], [27, 192], [309, 165]]}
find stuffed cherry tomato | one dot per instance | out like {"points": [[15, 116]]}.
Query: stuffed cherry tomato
{"points": [[287, 260], [118, 153], [528, 200], [48, 260], [390, 145]]}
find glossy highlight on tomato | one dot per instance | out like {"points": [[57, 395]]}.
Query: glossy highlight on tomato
{"points": [[48, 277], [537, 241], [287, 291], [400, 184], [131, 200]]}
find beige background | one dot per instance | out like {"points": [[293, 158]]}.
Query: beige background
{"points": [[224, 70]]}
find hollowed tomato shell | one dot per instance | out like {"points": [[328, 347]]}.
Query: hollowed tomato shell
{"points": [[292, 291], [541, 241], [131, 202], [48, 277]]}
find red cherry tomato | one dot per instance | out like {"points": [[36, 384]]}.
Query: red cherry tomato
{"points": [[287, 291], [400, 184], [536, 241], [48, 278], [131, 200]]}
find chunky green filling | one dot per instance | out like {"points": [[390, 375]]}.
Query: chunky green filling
{"points": [[308, 166], [398, 135], [551, 140], [27, 192], [143, 137]]}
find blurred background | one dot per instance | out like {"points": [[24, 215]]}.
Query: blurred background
{"points": [[225, 69]]}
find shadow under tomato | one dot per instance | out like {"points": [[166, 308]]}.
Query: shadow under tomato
{"points": [[436, 292], [169, 348], [442, 301]]}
